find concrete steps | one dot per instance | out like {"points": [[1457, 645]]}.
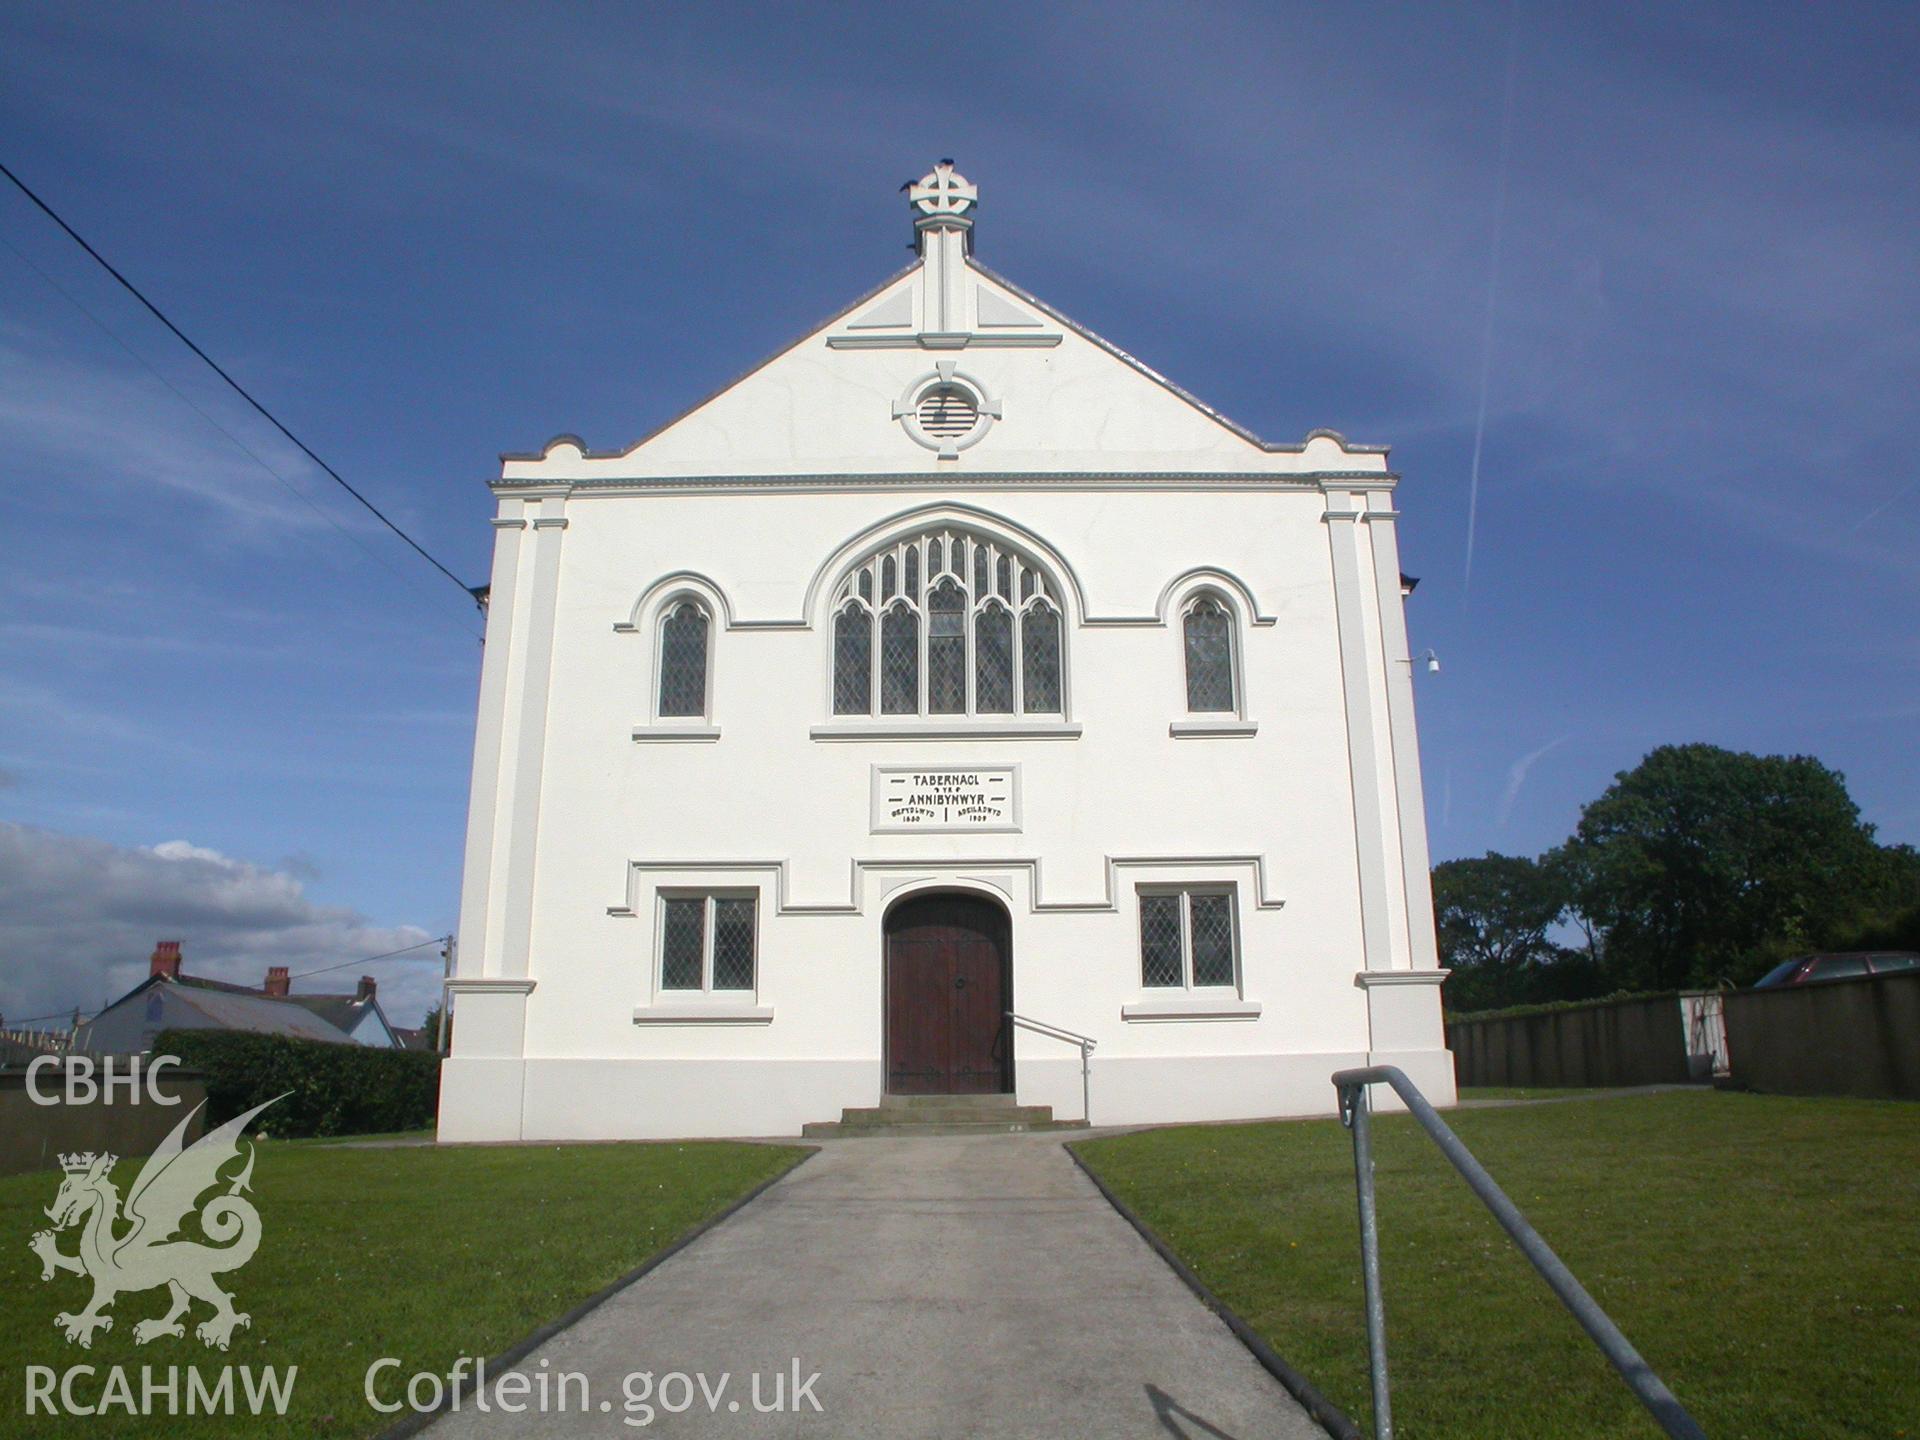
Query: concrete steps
{"points": [[902, 1115]]}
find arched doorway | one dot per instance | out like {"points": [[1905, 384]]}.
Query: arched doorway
{"points": [[949, 985]]}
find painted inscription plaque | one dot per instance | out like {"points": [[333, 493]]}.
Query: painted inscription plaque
{"points": [[946, 797]]}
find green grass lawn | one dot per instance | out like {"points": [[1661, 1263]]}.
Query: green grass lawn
{"points": [[1763, 1253], [1522, 1092], [421, 1136], [419, 1253]]}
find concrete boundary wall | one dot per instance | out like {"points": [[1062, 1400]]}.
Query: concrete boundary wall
{"points": [[1610, 1042], [33, 1136], [1839, 1037]]}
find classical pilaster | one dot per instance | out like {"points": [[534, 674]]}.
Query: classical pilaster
{"points": [[1403, 739], [510, 850], [484, 794], [527, 757], [1364, 727]]}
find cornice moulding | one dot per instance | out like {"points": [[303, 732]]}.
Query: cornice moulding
{"points": [[1367, 979], [1343, 480]]}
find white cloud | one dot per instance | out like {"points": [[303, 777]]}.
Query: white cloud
{"points": [[1517, 775], [79, 917], [59, 404]]}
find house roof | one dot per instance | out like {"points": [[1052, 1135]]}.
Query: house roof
{"points": [[239, 1009], [203, 983], [343, 1012]]}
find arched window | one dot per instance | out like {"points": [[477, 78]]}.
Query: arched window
{"points": [[963, 625], [853, 658], [900, 661], [684, 631], [1209, 643], [1040, 659]]}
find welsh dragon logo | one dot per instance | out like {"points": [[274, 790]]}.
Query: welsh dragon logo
{"points": [[138, 1250]]}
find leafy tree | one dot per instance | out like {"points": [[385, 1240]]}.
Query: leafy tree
{"points": [[1492, 916], [1889, 917], [1572, 870], [1701, 863], [430, 1028]]}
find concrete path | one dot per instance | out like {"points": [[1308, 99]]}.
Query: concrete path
{"points": [[940, 1287]]}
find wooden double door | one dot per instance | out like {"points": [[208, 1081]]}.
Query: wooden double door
{"points": [[949, 986]]}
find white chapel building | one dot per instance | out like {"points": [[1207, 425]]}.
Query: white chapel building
{"points": [[951, 667]]}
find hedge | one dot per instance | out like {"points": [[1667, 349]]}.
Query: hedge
{"points": [[1549, 1007], [330, 1089]]}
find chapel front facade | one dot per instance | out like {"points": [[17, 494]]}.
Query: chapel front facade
{"points": [[950, 686]]}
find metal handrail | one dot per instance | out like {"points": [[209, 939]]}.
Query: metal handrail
{"points": [[1087, 1046], [1671, 1416]]}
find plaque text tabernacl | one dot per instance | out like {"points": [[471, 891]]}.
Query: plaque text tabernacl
{"points": [[915, 797]]}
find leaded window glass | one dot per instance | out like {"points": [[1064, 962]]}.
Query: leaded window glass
{"points": [[683, 930], [853, 661], [1209, 636], [732, 944], [900, 662], [950, 637], [683, 661], [707, 942], [1187, 939], [1160, 963], [1211, 923], [993, 656], [947, 650], [1040, 659]]}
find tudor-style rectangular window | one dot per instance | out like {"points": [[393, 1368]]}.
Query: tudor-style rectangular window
{"points": [[1188, 938], [707, 942]]}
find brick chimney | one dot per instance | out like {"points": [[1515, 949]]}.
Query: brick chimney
{"points": [[166, 959], [367, 987], [277, 982]]}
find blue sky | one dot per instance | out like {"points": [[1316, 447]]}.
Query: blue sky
{"points": [[426, 236]]}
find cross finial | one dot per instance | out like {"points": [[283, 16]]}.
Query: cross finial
{"points": [[942, 199]]}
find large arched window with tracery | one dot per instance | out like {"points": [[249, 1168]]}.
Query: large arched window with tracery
{"points": [[947, 623]]}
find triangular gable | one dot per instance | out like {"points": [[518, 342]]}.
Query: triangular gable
{"points": [[946, 368]]}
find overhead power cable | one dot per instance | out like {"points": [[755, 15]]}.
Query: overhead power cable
{"points": [[387, 955], [65, 1014], [469, 591], [239, 444], [301, 975]]}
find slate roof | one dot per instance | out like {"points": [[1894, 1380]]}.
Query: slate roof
{"points": [[343, 1012], [237, 1008]]}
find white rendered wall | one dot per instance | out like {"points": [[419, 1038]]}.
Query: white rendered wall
{"points": [[577, 822]]}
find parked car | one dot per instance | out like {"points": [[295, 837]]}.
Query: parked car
{"points": [[1844, 965]]}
